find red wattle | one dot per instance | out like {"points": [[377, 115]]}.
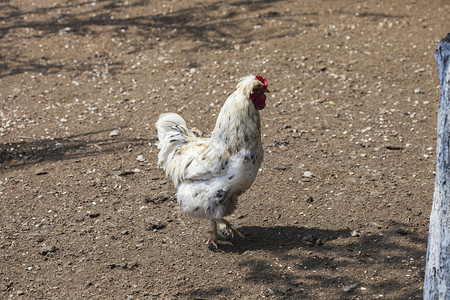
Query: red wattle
{"points": [[259, 99]]}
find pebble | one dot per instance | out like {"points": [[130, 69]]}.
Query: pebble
{"points": [[64, 30], [4, 286], [355, 233], [127, 172], [280, 168], [47, 249], [308, 239], [114, 133], [40, 239], [349, 287], [308, 174], [79, 219], [140, 158], [418, 91], [154, 223], [156, 199], [40, 172], [93, 214]]}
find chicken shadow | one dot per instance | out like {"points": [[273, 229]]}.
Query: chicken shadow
{"points": [[301, 260], [274, 238]]}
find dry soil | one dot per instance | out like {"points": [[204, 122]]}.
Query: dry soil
{"points": [[340, 208]]}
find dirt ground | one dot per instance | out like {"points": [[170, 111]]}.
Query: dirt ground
{"points": [[340, 209]]}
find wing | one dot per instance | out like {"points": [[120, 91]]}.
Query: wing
{"points": [[196, 160]]}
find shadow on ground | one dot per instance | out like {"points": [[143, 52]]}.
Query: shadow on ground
{"points": [[18, 154], [218, 25], [304, 255]]}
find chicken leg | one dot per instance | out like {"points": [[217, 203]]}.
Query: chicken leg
{"points": [[214, 239]]}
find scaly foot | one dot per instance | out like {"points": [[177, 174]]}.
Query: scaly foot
{"points": [[215, 240], [233, 229]]}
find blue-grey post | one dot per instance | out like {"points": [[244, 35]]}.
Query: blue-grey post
{"points": [[437, 271]]}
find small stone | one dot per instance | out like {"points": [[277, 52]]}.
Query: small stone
{"points": [[64, 30], [114, 133], [40, 172], [280, 168], [394, 147], [373, 224], [93, 214], [355, 233], [140, 158], [349, 287], [382, 111], [4, 286], [309, 240], [193, 70], [157, 199], [20, 293], [154, 224], [418, 91], [110, 265], [46, 250], [308, 174], [79, 218], [126, 172]]}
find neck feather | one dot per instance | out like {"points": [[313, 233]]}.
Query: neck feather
{"points": [[238, 124]]}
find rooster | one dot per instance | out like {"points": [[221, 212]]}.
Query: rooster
{"points": [[210, 173]]}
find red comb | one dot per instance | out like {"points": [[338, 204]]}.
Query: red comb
{"points": [[262, 79]]}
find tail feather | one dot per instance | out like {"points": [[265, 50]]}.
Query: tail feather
{"points": [[172, 132]]}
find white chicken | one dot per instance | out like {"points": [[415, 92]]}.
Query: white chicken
{"points": [[210, 173]]}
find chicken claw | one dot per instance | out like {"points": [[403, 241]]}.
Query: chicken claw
{"points": [[215, 240], [233, 229]]}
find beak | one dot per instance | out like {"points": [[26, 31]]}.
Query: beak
{"points": [[267, 91]]}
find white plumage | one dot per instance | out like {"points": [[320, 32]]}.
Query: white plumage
{"points": [[210, 173]]}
